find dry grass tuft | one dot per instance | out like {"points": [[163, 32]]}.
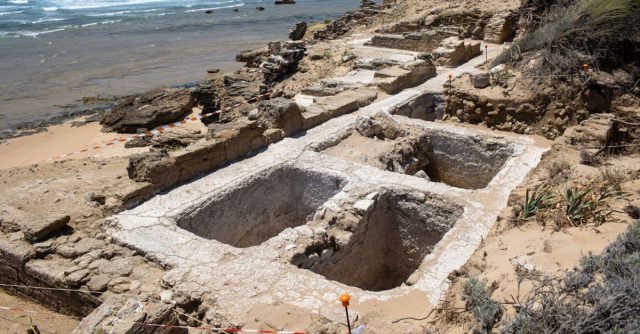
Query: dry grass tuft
{"points": [[602, 33]]}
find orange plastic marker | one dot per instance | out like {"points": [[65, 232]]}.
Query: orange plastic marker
{"points": [[344, 299]]}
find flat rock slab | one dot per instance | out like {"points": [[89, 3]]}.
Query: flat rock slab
{"points": [[39, 229], [49, 271]]}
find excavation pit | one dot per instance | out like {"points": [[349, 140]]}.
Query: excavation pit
{"points": [[262, 207], [458, 160], [389, 244]]}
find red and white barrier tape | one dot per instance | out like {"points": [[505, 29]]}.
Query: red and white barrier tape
{"points": [[155, 131]]}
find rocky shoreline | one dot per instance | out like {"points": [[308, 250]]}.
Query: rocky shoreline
{"points": [[95, 107]]}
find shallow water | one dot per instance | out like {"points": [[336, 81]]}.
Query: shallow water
{"points": [[53, 52]]}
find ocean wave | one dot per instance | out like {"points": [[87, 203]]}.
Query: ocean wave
{"points": [[11, 12], [32, 33], [214, 8], [160, 14], [111, 14], [123, 12], [92, 4], [48, 19], [27, 33], [96, 23]]}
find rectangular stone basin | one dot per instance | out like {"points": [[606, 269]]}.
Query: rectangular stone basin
{"points": [[263, 206], [388, 245], [459, 160]]}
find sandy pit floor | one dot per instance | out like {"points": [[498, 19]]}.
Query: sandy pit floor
{"points": [[18, 322]]}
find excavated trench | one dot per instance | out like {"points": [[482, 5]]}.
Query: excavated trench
{"points": [[458, 160], [389, 243], [261, 208], [464, 161]]}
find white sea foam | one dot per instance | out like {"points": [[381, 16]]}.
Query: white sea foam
{"points": [[47, 19], [11, 12], [28, 33], [214, 8], [123, 12]]}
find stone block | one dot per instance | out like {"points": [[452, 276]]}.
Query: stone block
{"points": [[500, 28], [314, 115], [41, 227], [481, 80], [394, 79], [455, 51], [340, 104], [50, 271]]}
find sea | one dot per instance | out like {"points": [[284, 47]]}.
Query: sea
{"points": [[55, 52]]}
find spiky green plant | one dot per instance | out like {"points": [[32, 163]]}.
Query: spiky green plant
{"points": [[576, 203], [534, 202], [586, 203]]}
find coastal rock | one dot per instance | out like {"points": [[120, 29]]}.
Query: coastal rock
{"points": [[284, 2], [279, 66], [253, 58], [149, 110], [179, 138], [332, 30], [205, 95], [298, 30]]}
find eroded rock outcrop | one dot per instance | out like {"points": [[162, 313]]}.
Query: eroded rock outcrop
{"points": [[149, 110], [253, 58], [283, 61], [297, 31]]}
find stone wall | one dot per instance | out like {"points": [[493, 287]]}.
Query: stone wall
{"points": [[20, 266], [425, 41], [225, 142]]}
